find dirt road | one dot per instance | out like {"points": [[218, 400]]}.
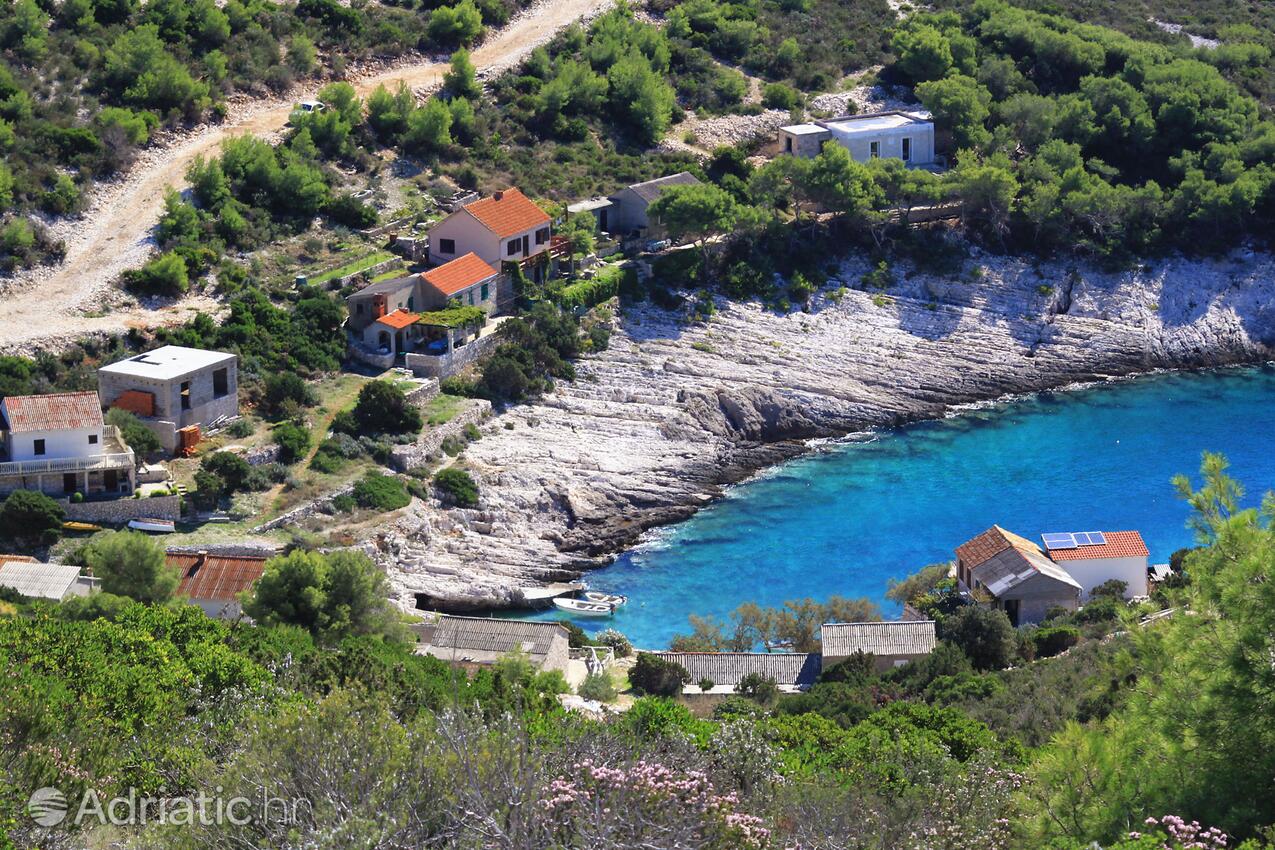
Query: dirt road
{"points": [[54, 305]]}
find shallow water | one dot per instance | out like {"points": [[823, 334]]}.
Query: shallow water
{"points": [[855, 514]]}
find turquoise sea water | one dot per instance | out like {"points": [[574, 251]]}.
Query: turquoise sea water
{"points": [[848, 518]]}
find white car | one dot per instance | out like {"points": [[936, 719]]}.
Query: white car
{"points": [[311, 106]]}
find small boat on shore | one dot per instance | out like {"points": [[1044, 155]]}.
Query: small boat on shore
{"points": [[612, 599], [158, 526], [584, 607], [80, 527]]}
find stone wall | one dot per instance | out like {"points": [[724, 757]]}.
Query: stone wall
{"points": [[122, 510], [446, 365], [413, 455], [262, 455], [358, 351], [422, 394], [308, 509]]}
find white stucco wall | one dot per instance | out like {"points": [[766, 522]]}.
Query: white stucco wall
{"points": [[890, 140], [1091, 573], [57, 444]]}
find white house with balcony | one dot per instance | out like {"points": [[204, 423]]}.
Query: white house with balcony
{"points": [[896, 134], [58, 444]]}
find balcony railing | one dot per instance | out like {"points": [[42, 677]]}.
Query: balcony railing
{"points": [[107, 460]]}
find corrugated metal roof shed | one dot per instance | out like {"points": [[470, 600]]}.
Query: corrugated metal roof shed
{"points": [[489, 635], [39, 581]]}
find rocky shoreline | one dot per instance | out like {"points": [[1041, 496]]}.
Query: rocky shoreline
{"points": [[655, 427]]}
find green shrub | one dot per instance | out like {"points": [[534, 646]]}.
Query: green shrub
{"points": [[619, 644], [284, 394], [77, 497], [240, 428], [706, 684], [139, 438], [1052, 640], [293, 441], [30, 516], [588, 293], [657, 676], [597, 686], [344, 503], [164, 275], [382, 408], [780, 96], [457, 487], [381, 492]]}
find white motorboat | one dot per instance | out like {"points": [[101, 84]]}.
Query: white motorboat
{"points": [[160, 526], [584, 607], [612, 599]]}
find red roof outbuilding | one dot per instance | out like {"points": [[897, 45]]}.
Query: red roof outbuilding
{"points": [[458, 274], [215, 577]]}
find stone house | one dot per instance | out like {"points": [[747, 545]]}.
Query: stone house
{"points": [[1013, 574], [507, 227], [479, 641], [411, 313], [792, 671], [216, 582], [59, 445], [891, 644], [908, 136], [627, 214], [1094, 557], [173, 388]]}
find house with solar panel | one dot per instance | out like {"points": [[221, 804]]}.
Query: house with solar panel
{"points": [[891, 644], [1095, 557], [1013, 574], [60, 445]]}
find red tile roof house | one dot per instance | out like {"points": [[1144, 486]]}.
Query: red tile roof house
{"points": [[1015, 576], [507, 227], [216, 582], [393, 316], [1094, 557], [60, 445]]}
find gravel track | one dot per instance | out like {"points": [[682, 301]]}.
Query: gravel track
{"points": [[52, 306]]}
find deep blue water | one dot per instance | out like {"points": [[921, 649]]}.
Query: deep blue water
{"points": [[848, 518]]}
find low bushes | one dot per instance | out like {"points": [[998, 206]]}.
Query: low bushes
{"points": [[381, 492], [658, 677], [1054, 639], [588, 293], [457, 487], [293, 441]]}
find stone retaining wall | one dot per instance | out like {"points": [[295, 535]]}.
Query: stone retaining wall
{"points": [[413, 455], [262, 455], [306, 510], [446, 365], [422, 394], [122, 510]]}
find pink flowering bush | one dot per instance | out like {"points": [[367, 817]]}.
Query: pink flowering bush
{"points": [[645, 803], [1174, 833]]}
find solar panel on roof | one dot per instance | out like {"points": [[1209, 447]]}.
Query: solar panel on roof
{"points": [[1097, 538], [1059, 540]]}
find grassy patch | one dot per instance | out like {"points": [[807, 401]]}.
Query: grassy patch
{"points": [[443, 408], [352, 267]]}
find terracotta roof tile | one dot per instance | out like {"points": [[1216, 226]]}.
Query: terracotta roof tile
{"points": [[458, 274], [983, 548], [399, 319], [1120, 544], [54, 412], [219, 577], [506, 213]]}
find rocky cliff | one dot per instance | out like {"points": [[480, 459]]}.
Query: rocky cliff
{"points": [[672, 411]]}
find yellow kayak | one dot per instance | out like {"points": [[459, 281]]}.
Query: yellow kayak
{"points": [[80, 526]]}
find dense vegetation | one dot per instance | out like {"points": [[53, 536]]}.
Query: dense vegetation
{"points": [[1123, 740]]}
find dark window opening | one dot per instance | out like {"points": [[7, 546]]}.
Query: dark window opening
{"points": [[1011, 611], [69, 482], [185, 395], [111, 480], [513, 248], [484, 295], [874, 149], [39, 447], [92, 439], [907, 150], [542, 236], [221, 383], [447, 246], [788, 144]]}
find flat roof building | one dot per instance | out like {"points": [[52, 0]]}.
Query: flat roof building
{"points": [[173, 388], [896, 134]]}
